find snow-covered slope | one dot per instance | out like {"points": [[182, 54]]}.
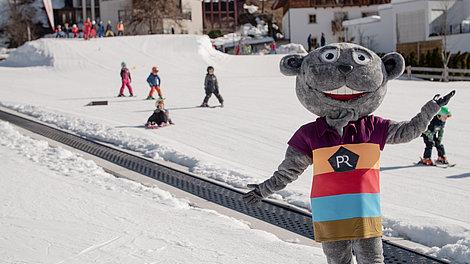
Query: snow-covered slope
{"points": [[60, 208], [246, 140]]}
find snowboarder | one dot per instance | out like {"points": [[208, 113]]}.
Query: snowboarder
{"points": [[100, 30], [160, 117], [109, 30], [433, 138], [75, 31], [120, 28], [211, 86], [154, 82], [343, 84], [126, 80]]}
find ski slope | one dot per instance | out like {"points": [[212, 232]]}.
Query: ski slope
{"points": [[60, 208], [245, 141]]}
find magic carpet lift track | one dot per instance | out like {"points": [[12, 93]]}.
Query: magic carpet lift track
{"points": [[284, 216]]}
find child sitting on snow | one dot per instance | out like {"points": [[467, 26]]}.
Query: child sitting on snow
{"points": [[433, 138], [154, 82], [160, 117]]}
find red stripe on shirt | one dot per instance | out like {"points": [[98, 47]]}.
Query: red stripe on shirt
{"points": [[356, 181]]}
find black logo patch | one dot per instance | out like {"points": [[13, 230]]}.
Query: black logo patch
{"points": [[343, 160]]}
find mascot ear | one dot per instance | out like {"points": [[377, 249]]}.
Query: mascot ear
{"points": [[290, 65], [394, 65]]}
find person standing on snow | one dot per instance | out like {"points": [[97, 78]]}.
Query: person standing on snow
{"points": [[154, 82], [211, 86], [87, 29], [93, 29], [75, 31], [120, 28], [432, 137], [100, 30], [67, 30], [126, 80], [109, 30]]}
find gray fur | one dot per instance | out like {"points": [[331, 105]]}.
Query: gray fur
{"points": [[402, 132], [367, 250], [315, 75], [288, 171]]}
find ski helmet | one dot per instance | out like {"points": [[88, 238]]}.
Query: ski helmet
{"points": [[444, 111], [210, 68], [154, 69], [123, 64]]}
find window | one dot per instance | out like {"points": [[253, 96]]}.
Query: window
{"points": [[370, 13], [312, 19]]}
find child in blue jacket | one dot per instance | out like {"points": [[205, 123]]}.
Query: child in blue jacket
{"points": [[154, 82]]}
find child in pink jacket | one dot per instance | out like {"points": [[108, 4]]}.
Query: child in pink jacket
{"points": [[126, 80]]}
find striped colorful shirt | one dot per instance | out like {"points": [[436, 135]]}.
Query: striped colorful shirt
{"points": [[345, 194]]}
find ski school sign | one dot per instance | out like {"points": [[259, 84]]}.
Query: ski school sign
{"points": [[49, 11]]}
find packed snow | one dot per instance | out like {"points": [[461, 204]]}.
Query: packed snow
{"points": [[60, 208], [245, 141]]}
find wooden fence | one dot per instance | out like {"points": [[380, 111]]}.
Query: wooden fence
{"points": [[437, 73]]}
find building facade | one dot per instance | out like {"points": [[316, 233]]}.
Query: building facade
{"points": [[221, 15], [304, 17], [419, 23], [76, 11]]}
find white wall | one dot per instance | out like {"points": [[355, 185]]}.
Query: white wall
{"points": [[109, 10], [379, 36], [300, 28], [193, 26]]}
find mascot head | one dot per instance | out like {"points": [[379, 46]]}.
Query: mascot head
{"points": [[342, 81]]}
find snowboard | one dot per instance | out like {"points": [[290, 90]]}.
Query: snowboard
{"points": [[147, 126], [214, 106], [439, 165]]}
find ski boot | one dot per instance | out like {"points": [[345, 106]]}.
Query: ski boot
{"points": [[426, 161], [204, 105], [150, 98], [121, 95], [442, 160], [222, 105], [132, 95]]}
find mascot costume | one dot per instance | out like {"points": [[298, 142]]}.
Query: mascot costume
{"points": [[343, 84]]}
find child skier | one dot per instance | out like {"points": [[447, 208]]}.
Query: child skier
{"points": [[126, 80], [433, 138], [160, 117], [211, 86], [154, 82]]}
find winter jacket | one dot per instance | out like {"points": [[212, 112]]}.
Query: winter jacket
{"points": [[210, 84], [435, 130], [159, 116], [125, 74], [153, 80]]}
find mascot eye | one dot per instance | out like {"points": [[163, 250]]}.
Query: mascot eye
{"points": [[330, 55], [361, 57]]}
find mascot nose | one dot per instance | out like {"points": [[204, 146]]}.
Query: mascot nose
{"points": [[345, 69]]}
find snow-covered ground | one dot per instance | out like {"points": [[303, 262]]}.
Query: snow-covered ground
{"points": [[60, 208], [245, 141]]}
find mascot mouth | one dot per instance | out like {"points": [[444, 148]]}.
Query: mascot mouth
{"points": [[343, 93]]}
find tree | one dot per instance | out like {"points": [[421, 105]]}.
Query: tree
{"points": [[26, 21], [444, 31], [151, 13]]}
